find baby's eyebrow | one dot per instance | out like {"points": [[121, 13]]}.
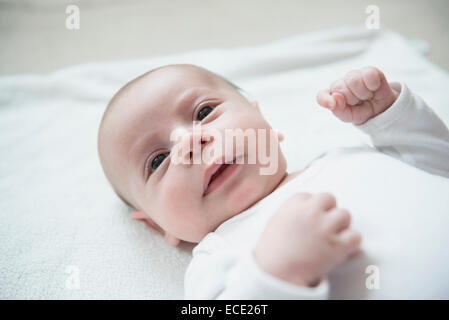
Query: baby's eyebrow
{"points": [[187, 99]]}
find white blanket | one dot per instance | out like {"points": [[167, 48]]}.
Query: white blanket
{"points": [[63, 232]]}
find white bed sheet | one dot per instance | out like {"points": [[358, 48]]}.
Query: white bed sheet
{"points": [[63, 232]]}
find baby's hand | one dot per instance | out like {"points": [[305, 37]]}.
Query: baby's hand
{"points": [[359, 96], [305, 239]]}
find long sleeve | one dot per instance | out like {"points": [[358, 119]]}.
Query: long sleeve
{"points": [[219, 272], [410, 131]]}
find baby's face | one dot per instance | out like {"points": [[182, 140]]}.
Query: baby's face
{"points": [[135, 148]]}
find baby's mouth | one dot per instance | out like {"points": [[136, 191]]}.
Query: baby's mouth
{"points": [[217, 174]]}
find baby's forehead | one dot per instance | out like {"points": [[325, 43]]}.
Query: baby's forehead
{"points": [[167, 84], [182, 76], [161, 90]]}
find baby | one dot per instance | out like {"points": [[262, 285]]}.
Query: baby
{"points": [[282, 235]]}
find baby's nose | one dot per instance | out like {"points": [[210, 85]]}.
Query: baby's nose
{"points": [[193, 145]]}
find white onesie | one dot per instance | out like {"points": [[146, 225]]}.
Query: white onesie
{"points": [[397, 191]]}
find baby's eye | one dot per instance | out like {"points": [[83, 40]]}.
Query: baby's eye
{"points": [[158, 160], [204, 112]]}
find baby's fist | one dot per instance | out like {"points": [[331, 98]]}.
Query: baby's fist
{"points": [[306, 238], [359, 96]]}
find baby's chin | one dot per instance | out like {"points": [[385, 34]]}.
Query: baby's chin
{"points": [[244, 195], [253, 187]]}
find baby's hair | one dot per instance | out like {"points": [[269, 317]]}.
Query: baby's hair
{"points": [[128, 85]]}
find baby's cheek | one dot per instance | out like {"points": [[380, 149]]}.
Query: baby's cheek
{"points": [[180, 213], [244, 196], [177, 200]]}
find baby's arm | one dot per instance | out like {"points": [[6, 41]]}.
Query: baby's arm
{"points": [[305, 239], [220, 272], [398, 122]]}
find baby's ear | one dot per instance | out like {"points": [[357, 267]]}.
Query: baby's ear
{"points": [[171, 240], [280, 136], [142, 216], [255, 104]]}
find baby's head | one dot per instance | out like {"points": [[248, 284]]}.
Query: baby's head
{"points": [[135, 149]]}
